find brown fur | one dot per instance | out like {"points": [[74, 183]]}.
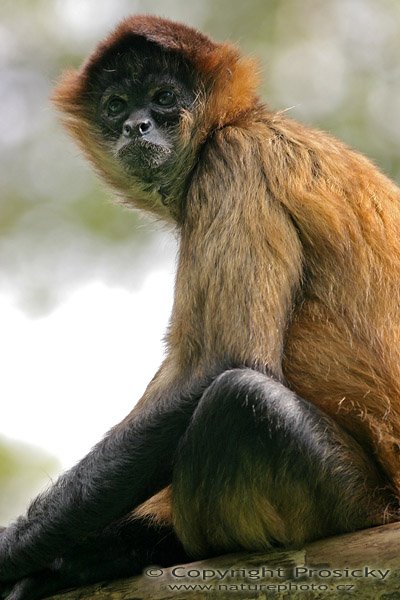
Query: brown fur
{"points": [[289, 254]]}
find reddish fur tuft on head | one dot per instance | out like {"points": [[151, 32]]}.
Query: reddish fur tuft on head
{"points": [[230, 80]]}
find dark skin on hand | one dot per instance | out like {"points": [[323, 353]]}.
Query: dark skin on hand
{"points": [[274, 419]]}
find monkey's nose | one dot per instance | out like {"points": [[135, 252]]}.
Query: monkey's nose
{"points": [[131, 127]]}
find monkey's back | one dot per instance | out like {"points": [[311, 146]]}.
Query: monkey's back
{"points": [[342, 348]]}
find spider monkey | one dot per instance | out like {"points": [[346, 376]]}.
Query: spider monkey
{"points": [[274, 419]]}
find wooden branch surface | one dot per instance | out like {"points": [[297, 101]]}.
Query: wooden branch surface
{"points": [[363, 565]]}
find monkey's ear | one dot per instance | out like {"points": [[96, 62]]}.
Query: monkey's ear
{"points": [[230, 81]]}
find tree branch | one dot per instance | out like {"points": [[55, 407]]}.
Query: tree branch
{"points": [[364, 564]]}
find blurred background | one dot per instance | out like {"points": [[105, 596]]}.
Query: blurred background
{"points": [[85, 286]]}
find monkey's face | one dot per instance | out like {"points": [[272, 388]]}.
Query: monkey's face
{"points": [[141, 96], [144, 104]]}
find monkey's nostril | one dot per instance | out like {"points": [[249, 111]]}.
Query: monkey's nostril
{"points": [[145, 126], [127, 129]]}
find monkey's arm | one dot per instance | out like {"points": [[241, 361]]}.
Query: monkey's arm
{"points": [[130, 464]]}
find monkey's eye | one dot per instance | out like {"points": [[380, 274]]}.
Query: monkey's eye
{"points": [[165, 98], [116, 106]]}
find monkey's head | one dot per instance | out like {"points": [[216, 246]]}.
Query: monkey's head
{"points": [[144, 103]]}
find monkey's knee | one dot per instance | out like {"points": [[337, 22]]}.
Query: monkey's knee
{"points": [[259, 467], [218, 503]]}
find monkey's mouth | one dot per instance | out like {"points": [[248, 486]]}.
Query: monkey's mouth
{"points": [[140, 155]]}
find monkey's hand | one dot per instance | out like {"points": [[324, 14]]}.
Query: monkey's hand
{"points": [[11, 540], [109, 556], [2, 588], [19, 559], [7, 534]]}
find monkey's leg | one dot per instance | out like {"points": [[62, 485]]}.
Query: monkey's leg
{"points": [[122, 550], [132, 463], [259, 466]]}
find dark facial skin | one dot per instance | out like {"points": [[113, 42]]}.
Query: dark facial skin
{"points": [[140, 102]]}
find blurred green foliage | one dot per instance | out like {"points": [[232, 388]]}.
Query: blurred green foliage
{"points": [[334, 64], [21, 468]]}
